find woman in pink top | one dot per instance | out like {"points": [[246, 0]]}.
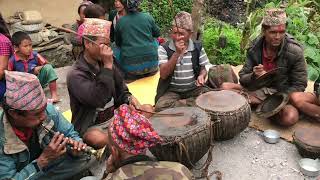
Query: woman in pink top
{"points": [[5, 52]]}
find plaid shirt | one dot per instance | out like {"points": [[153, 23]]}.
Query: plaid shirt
{"points": [[6, 48]]}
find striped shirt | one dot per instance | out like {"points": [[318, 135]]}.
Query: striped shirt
{"points": [[183, 78]]}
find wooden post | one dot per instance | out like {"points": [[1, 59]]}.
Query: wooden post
{"points": [[196, 17]]}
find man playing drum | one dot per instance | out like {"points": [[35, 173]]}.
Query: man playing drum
{"points": [[274, 50], [129, 136], [182, 66]]}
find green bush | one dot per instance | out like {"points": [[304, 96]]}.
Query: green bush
{"points": [[230, 53], [162, 11], [303, 23], [302, 28]]}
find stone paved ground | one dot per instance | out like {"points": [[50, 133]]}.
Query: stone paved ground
{"points": [[245, 157]]}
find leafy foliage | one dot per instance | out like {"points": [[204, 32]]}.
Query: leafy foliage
{"points": [[228, 53], [303, 23], [162, 11]]}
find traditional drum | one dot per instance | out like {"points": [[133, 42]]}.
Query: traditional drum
{"points": [[186, 138], [307, 141], [272, 105], [230, 112]]}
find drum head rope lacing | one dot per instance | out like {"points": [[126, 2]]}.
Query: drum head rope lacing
{"points": [[205, 166]]}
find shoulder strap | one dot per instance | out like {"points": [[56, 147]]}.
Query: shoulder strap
{"points": [[196, 57], [198, 46], [168, 50]]}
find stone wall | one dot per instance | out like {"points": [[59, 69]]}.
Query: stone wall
{"points": [[55, 12]]}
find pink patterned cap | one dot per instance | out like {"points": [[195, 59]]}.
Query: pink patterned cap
{"points": [[131, 131], [23, 91], [96, 27]]}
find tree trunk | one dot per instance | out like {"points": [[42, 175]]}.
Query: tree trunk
{"points": [[196, 17]]}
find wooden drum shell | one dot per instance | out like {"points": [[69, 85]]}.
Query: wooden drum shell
{"points": [[306, 142], [230, 123], [196, 142]]}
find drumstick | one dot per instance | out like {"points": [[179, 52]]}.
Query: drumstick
{"points": [[76, 33], [162, 114], [210, 88], [174, 15]]}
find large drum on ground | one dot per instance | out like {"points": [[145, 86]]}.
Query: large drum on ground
{"points": [[307, 140], [186, 137], [230, 112]]}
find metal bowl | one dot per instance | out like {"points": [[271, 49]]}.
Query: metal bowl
{"points": [[310, 167], [271, 136]]}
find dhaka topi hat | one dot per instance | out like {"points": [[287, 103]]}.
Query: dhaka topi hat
{"points": [[274, 17], [131, 131], [96, 27], [183, 20], [24, 91]]}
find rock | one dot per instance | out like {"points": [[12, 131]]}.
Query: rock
{"points": [[59, 57], [271, 165], [283, 164], [230, 11]]}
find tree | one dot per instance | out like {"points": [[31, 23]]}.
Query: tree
{"points": [[196, 17]]}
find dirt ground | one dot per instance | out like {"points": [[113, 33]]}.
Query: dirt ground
{"points": [[244, 157]]}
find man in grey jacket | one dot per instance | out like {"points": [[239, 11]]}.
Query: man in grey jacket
{"points": [[95, 85], [274, 50]]}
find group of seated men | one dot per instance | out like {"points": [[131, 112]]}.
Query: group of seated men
{"points": [[105, 113]]}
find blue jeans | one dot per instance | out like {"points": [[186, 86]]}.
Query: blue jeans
{"points": [[68, 167]]}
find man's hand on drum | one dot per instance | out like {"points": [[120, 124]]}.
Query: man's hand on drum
{"points": [[200, 81], [135, 103], [258, 70]]}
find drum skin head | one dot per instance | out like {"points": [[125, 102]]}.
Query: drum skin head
{"points": [[221, 101], [272, 105], [172, 126], [308, 136]]}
